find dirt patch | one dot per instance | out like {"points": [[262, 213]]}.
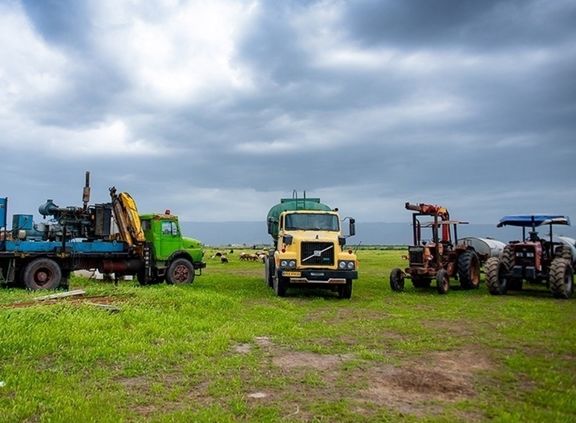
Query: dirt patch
{"points": [[292, 360], [449, 327], [421, 386], [242, 348]]}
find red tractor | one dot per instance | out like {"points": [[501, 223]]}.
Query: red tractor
{"points": [[440, 256], [533, 259]]}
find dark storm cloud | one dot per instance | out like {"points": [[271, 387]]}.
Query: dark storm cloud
{"points": [[459, 24], [93, 83], [63, 22], [372, 103]]}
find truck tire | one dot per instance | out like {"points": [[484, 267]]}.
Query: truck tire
{"points": [[561, 278], [280, 285], [269, 271], [442, 281], [180, 271], [42, 273], [495, 270], [345, 291], [469, 270], [397, 280]]}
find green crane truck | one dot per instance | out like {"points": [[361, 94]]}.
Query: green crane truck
{"points": [[309, 247], [43, 255]]}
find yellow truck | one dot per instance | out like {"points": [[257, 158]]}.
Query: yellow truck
{"points": [[309, 248]]}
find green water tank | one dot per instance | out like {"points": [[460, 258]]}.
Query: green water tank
{"points": [[291, 204]]}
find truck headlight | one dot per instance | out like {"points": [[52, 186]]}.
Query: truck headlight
{"points": [[345, 264], [290, 264]]}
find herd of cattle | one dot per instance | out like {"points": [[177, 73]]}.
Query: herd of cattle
{"points": [[257, 256]]}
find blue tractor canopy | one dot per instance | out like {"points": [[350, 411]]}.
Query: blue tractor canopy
{"points": [[534, 220]]}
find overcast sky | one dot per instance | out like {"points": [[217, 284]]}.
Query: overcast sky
{"points": [[216, 109]]}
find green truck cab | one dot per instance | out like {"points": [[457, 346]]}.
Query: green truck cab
{"points": [[176, 258]]}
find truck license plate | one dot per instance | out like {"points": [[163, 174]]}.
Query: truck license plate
{"points": [[291, 274]]}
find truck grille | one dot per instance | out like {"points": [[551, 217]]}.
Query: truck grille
{"points": [[317, 253], [416, 255]]}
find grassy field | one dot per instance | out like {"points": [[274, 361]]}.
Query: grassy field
{"points": [[226, 349]]}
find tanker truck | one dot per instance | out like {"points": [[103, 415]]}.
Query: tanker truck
{"points": [[43, 255], [309, 248]]}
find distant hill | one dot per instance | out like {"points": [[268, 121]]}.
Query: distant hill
{"points": [[367, 233]]}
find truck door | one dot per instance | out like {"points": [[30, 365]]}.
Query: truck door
{"points": [[170, 239]]}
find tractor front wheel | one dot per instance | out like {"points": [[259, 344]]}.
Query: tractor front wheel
{"points": [[442, 281], [397, 280], [561, 278]]}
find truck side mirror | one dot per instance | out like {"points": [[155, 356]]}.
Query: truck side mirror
{"points": [[352, 226], [270, 225]]}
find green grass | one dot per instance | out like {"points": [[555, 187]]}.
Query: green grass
{"points": [[226, 349]]}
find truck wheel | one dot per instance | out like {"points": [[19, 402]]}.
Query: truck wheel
{"points": [[561, 278], [280, 284], [469, 270], [397, 280], [421, 282], [496, 279], [268, 271], [442, 281], [42, 274], [345, 291], [180, 271]]}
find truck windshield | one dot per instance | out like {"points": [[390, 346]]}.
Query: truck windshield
{"points": [[312, 221]]}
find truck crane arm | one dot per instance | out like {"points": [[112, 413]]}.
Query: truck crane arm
{"points": [[429, 209], [127, 218], [433, 210]]}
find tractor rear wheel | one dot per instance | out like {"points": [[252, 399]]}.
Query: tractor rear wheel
{"points": [[469, 270], [397, 280], [565, 252], [442, 281], [42, 273], [496, 279], [561, 278]]}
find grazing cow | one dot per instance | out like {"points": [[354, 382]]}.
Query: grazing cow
{"points": [[223, 259]]}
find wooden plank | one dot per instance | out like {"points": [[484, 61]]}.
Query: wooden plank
{"points": [[74, 293]]}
